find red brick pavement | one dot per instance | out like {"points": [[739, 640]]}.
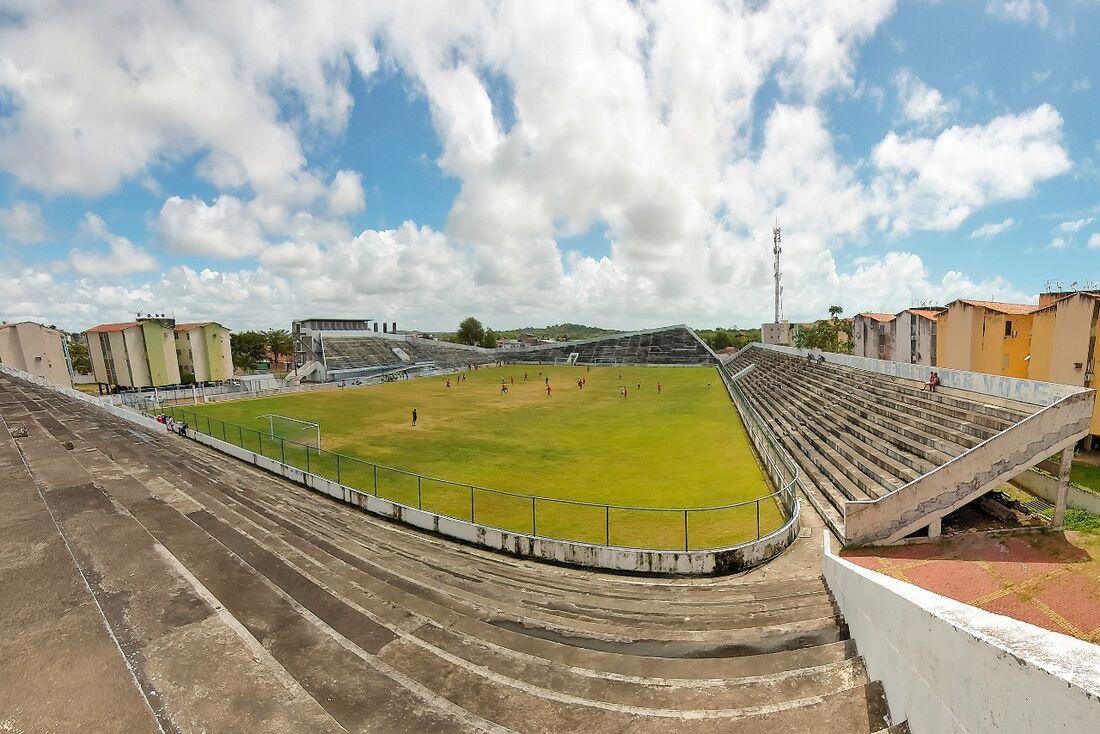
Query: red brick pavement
{"points": [[1051, 580]]}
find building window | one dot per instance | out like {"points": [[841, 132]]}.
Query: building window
{"points": [[1008, 328]]}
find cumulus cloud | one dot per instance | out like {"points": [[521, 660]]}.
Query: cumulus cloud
{"points": [[648, 128], [1058, 243], [23, 222], [936, 183], [226, 229], [345, 195], [992, 229], [122, 256], [921, 104], [1020, 11], [1094, 241]]}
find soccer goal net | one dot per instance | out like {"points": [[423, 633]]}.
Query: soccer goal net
{"points": [[571, 359], [291, 429]]}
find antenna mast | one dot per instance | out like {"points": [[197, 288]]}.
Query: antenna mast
{"points": [[777, 242]]}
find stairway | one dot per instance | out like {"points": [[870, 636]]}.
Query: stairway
{"points": [[248, 603]]}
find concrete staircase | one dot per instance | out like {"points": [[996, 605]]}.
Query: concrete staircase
{"points": [[245, 603], [859, 435]]}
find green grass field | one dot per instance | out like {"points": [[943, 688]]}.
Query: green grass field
{"points": [[683, 448]]}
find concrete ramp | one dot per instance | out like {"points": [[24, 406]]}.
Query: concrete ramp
{"points": [[964, 479]]}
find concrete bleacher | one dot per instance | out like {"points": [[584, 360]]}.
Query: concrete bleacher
{"points": [[358, 353], [672, 345], [306, 615], [860, 435]]}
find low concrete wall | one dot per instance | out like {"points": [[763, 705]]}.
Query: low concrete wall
{"points": [[1032, 392], [965, 478], [634, 560], [709, 562], [1042, 484], [950, 667]]}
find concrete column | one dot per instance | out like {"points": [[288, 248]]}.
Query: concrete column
{"points": [[935, 527], [1063, 486]]}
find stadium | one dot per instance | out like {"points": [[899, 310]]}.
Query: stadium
{"points": [[625, 533]]}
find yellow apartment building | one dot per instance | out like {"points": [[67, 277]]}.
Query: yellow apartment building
{"points": [[986, 336], [202, 350], [1063, 342], [134, 354]]}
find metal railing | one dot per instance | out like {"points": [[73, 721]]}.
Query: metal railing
{"points": [[621, 526]]}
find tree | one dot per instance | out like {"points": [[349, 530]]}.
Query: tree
{"points": [[826, 334], [248, 347], [78, 352], [720, 340], [279, 343], [489, 340], [471, 332]]}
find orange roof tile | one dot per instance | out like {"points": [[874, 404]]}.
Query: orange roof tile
{"points": [[1015, 309], [113, 327], [189, 327], [925, 312], [876, 316]]}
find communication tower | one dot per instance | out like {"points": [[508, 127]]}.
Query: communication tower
{"points": [[777, 248]]}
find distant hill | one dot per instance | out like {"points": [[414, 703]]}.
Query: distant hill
{"points": [[556, 331]]}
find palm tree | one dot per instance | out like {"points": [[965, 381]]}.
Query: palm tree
{"points": [[279, 343]]}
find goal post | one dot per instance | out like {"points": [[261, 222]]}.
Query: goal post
{"points": [[570, 360], [292, 429]]}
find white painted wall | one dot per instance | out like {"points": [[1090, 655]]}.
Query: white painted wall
{"points": [[949, 667], [1033, 392]]}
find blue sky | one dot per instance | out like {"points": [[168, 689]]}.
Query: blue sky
{"points": [[619, 164]]}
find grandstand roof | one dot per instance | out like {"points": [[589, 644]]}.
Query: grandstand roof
{"points": [[876, 316], [121, 326], [1015, 309]]}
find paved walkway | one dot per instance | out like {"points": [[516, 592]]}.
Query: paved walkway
{"points": [[1051, 580]]}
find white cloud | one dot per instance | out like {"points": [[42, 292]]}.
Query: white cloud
{"points": [[1094, 241], [1080, 85], [23, 222], [921, 104], [936, 183], [1058, 243], [1020, 11], [345, 195], [646, 127], [122, 257], [1075, 225], [992, 229], [226, 229]]}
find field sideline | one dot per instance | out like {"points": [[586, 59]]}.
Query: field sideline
{"points": [[682, 448]]}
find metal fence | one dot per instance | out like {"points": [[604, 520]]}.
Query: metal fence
{"points": [[684, 528]]}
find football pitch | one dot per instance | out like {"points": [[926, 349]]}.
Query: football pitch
{"points": [[681, 448]]}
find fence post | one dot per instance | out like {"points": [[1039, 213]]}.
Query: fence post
{"points": [[685, 529], [307, 458], [282, 449], [338, 469], [240, 435], [607, 525], [209, 432], [260, 440], [471, 504], [758, 519], [419, 501], [534, 527], [375, 479]]}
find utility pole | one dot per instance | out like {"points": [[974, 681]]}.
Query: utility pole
{"points": [[777, 248]]}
